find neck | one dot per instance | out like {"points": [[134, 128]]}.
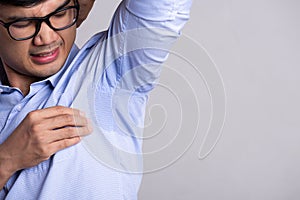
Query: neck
{"points": [[14, 79]]}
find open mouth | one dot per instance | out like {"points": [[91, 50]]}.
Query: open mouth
{"points": [[44, 54]]}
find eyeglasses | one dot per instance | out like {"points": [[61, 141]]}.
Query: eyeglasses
{"points": [[26, 28]]}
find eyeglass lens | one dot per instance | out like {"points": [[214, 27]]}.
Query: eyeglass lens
{"points": [[26, 28]]}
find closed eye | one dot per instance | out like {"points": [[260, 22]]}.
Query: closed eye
{"points": [[60, 14], [22, 24]]}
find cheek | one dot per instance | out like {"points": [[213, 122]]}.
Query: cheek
{"points": [[69, 37], [3, 41], [13, 51], [3, 34]]}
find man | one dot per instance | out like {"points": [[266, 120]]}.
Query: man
{"points": [[49, 88]]}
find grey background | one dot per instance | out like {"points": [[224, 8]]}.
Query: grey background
{"points": [[255, 47]]}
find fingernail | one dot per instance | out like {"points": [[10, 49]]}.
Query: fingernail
{"points": [[90, 125], [82, 113]]}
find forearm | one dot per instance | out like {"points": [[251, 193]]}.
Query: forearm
{"points": [[85, 8]]}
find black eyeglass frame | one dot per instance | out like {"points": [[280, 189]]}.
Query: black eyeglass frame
{"points": [[40, 20]]}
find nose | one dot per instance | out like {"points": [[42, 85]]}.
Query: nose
{"points": [[45, 36]]}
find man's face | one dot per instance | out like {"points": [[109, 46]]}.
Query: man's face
{"points": [[39, 57]]}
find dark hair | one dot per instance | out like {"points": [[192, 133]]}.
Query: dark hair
{"points": [[25, 3]]}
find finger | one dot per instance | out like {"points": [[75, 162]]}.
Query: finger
{"points": [[68, 132], [61, 121], [62, 144], [53, 112]]}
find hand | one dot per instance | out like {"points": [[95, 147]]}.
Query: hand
{"points": [[41, 134], [85, 8]]}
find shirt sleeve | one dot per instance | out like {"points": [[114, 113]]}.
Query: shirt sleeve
{"points": [[139, 38], [174, 11]]}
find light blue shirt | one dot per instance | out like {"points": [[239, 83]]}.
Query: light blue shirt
{"points": [[109, 79]]}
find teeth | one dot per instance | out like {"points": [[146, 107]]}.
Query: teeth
{"points": [[45, 54]]}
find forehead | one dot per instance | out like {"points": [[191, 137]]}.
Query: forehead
{"points": [[10, 12]]}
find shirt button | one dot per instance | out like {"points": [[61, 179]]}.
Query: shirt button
{"points": [[19, 108]]}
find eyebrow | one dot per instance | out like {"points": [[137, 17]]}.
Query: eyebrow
{"points": [[13, 18]]}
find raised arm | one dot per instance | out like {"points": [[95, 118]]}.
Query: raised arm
{"points": [[138, 41]]}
